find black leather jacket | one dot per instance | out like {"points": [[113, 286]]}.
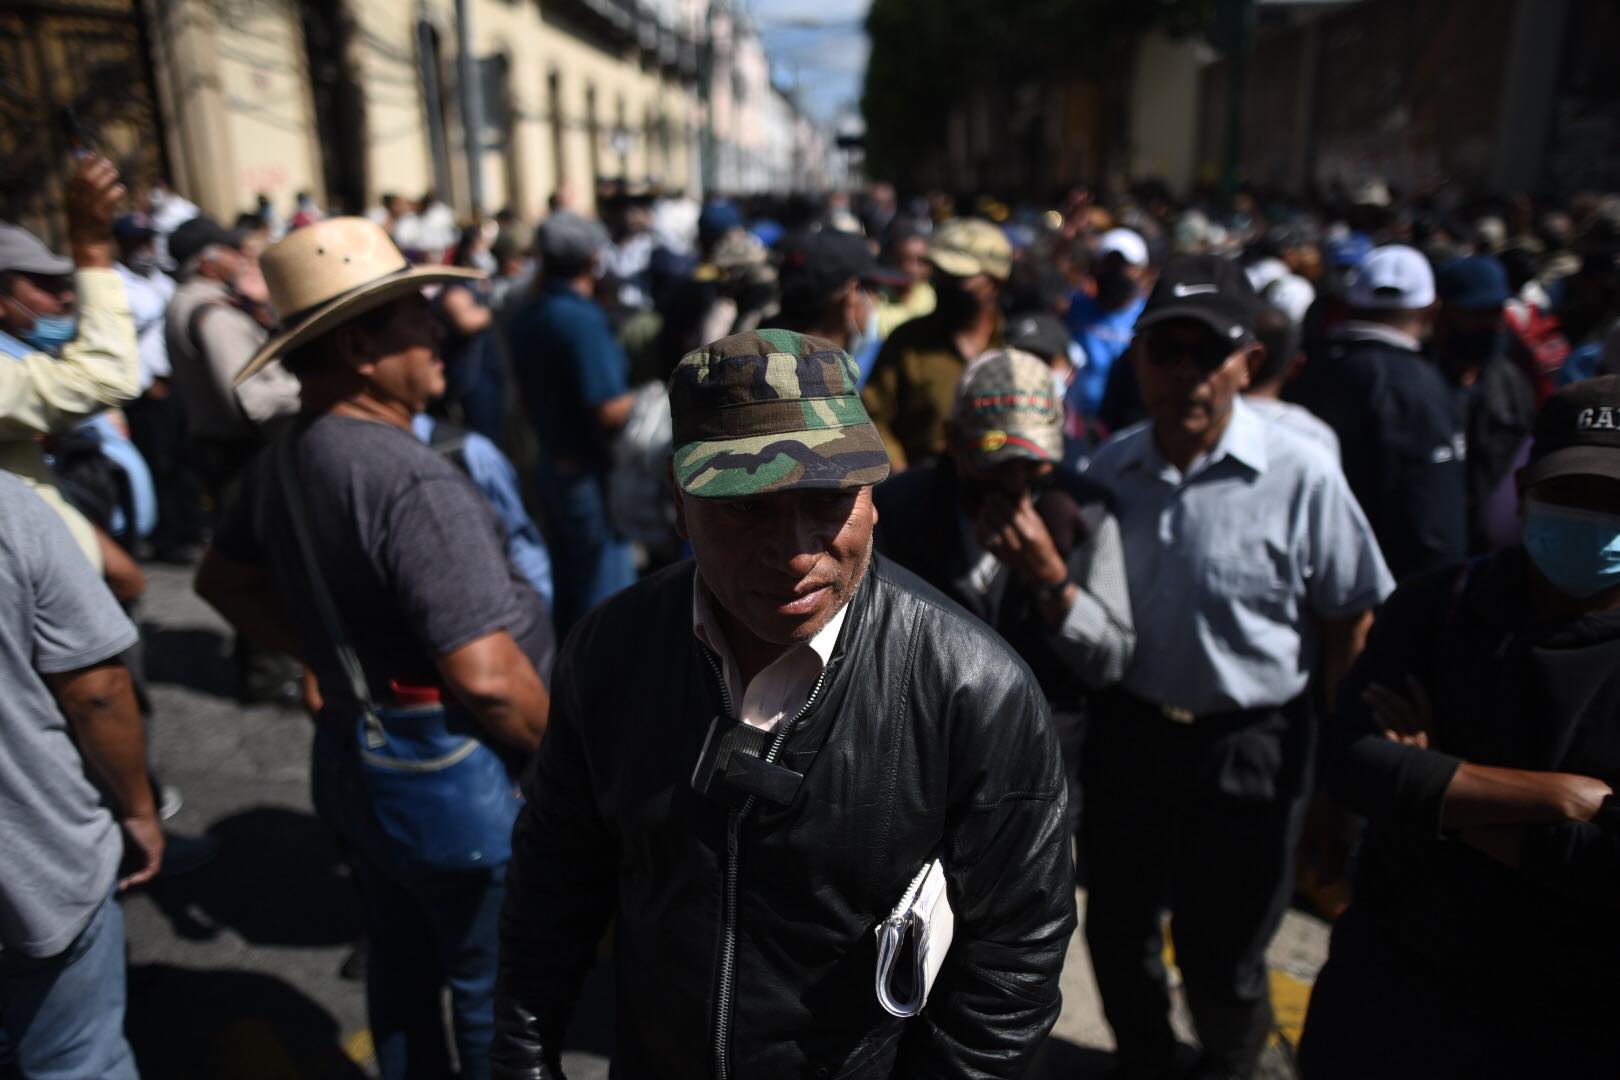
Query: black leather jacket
{"points": [[744, 941]]}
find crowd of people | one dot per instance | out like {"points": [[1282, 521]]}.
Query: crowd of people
{"points": [[716, 572]]}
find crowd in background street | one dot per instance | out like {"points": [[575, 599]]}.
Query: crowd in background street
{"points": [[1196, 552]]}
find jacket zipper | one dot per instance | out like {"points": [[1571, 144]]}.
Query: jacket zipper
{"points": [[728, 942]]}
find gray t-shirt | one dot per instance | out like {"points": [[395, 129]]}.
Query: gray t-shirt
{"points": [[59, 845], [412, 554]]}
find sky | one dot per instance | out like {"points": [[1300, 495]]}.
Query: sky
{"points": [[818, 46]]}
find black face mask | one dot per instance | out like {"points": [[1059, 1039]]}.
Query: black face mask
{"points": [[954, 303], [1467, 349], [1115, 288]]}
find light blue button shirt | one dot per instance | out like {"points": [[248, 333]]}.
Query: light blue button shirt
{"points": [[1232, 564]]}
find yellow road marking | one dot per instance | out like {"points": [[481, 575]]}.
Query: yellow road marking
{"points": [[359, 1047], [1290, 996], [251, 1050]]}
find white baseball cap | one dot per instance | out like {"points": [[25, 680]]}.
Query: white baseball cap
{"points": [[1393, 278], [1128, 243]]}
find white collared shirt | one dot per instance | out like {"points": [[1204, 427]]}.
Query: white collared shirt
{"points": [[782, 688]]}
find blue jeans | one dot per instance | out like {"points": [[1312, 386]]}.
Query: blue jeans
{"points": [[62, 1017], [590, 560], [426, 929]]}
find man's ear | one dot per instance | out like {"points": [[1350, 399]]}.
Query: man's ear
{"points": [[349, 349], [1295, 366], [1254, 356], [1256, 360], [680, 499]]}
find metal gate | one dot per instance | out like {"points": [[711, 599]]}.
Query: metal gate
{"points": [[88, 54]]}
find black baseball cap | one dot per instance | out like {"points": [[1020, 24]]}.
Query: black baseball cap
{"points": [[815, 265], [133, 227], [1039, 333], [1208, 288], [200, 232], [1577, 432]]}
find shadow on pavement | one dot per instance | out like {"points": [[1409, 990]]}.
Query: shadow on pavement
{"points": [[276, 881], [190, 657], [204, 1025]]}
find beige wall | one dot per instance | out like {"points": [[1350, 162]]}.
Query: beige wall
{"points": [[525, 176], [265, 79], [238, 111], [383, 58], [241, 118], [582, 68]]}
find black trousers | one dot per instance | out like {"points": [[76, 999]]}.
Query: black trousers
{"points": [[158, 429], [1200, 820], [1376, 1011]]}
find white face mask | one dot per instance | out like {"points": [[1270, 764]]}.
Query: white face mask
{"points": [[1060, 380]]}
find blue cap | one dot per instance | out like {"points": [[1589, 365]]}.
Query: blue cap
{"points": [[767, 232], [1474, 283], [133, 227], [1349, 251], [717, 219]]}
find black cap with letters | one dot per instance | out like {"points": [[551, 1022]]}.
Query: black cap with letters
{"points": [[1577, 432]]}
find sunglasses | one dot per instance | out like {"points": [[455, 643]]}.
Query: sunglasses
{"points": [[1207, 355]]}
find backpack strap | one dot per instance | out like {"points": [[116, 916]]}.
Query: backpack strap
{"points": [[450, 440], [292, 496], [194, 323]]}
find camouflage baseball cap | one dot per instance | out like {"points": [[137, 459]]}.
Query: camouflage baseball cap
{"points": [[771, 410], [963, 247], [1007, 407]]}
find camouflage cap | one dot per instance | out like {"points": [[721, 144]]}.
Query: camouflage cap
{"points": [[1007, 407], [963, 247], [767, 411]]}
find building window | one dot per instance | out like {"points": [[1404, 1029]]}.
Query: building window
{"points": [[432, 87], [558, 160], [593, 136], [622, 139]]}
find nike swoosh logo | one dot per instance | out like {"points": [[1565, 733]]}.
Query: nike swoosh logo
{"points": [[1193, 290]]}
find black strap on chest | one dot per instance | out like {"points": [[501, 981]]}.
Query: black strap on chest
{"points": [[732, 767], [450, 441]]}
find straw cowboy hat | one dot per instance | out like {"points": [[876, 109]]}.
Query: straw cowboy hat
{"points": [[327, 273]]}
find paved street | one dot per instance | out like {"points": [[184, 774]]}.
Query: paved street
{"points": [[234, 967]]}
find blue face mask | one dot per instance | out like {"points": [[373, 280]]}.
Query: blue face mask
{"points": [[864, 341], [51, 332], [1577, 550]]}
